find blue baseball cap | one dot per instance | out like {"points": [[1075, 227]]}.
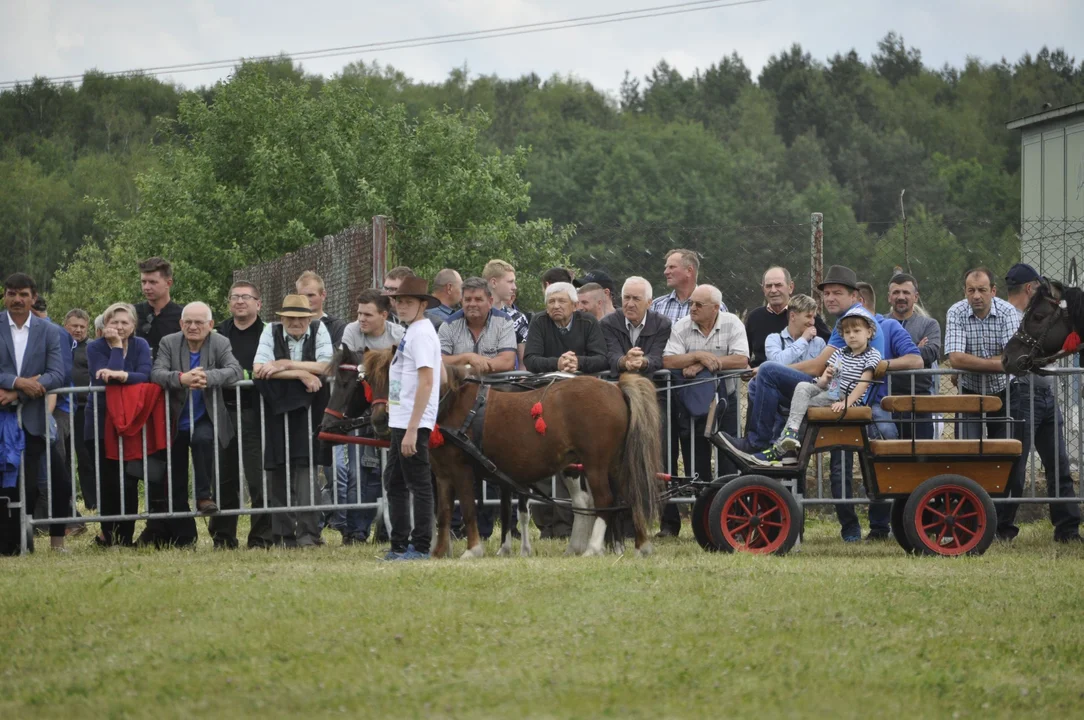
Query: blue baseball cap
{"points": [[1022, 273]]}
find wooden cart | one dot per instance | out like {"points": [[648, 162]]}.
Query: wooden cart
{"points": [[941, 489]]}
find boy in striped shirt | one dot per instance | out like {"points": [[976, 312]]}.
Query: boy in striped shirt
{"points": [[845, 383]]}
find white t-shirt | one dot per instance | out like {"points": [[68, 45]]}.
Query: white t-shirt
{"points": [[419, 348]]}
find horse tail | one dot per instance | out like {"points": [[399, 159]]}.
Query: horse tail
{"points": [[641, 456]]}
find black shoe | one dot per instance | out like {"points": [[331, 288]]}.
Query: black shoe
{"points": [[878, 536], [353, 540], [1069, 539], [225, 543], [667, 532]]}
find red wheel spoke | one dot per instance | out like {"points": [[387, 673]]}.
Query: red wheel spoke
{"points": [[768, 523], [967, 530], [771, 510], [740, 528], [936, 512], [756, 503], [967, 515], [739, 518], [741, 501], [926, 528]]}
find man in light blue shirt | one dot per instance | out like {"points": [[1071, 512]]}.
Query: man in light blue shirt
{"points": [[798, 341]]}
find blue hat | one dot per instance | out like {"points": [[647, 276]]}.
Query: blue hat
{"points": [[1021, 273], [860, 311]]}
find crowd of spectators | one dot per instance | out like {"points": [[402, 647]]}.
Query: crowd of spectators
{"points": [[169, 404]]}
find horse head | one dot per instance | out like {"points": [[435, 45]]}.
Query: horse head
{"points": [[377, 366], [349, 397], [1042, 332]]}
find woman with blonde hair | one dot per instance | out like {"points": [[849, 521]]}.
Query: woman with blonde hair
{"points": [[116, 357]]}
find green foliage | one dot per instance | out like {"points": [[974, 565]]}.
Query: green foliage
{"points": [[269, 165], [252, 168]]}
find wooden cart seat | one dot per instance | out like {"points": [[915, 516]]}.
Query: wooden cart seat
{"points": [[826, 415], [944, 447], [941, 403]]}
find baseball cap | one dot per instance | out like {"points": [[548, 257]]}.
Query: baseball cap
{"points": [[1021, 273], [597, 276]]}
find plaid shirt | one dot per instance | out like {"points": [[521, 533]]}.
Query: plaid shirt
{"points": [[984, 338], [673, 309]]}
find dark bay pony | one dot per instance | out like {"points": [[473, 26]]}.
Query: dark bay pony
{"points": [[1053, 312], [612, 429]]}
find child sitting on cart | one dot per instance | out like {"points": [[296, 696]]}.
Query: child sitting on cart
{"points": [[845, 383]]}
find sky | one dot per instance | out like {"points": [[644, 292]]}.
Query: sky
{"points": [[64, 37]]}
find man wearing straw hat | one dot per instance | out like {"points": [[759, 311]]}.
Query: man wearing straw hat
{"points": [[413, 394], [296, 349]]}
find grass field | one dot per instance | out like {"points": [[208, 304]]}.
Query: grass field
{"points": [[834, 630]]}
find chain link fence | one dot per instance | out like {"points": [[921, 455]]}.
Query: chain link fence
{"points": [[343, 260]]}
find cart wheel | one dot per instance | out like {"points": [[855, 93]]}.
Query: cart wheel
{"points": [[701, 519], [755, 514], [898, 530], [950, 515]]}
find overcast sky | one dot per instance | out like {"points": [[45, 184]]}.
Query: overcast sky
{"points": [[62, 37]]}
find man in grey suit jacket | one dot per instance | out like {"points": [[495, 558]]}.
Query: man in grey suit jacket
{"points": [[31, 364], [193, 366], [635, 335]]}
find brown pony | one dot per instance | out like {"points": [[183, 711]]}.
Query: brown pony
{"points": [[611, 429]]}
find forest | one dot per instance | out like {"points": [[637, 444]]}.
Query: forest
{"points": [[911, 166]]}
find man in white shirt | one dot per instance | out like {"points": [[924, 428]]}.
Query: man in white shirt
{"points": [[413, 395]]}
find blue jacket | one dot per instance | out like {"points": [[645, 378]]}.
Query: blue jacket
{"points": [[67, 345], [137, 363], [12, 444], [44, 357]]}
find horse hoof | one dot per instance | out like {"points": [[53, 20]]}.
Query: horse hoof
{"points": [[593, 552], [504, 551], [525, 551], [472, 553], [619, 548], [645, 550]]}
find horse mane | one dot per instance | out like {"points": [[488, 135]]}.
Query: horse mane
{"points": [[1074, 303], [376, 362]]}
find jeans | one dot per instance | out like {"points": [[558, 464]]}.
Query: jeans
{"points": [[841, 474], [348, 470], [404, 476], [775, 386], [750, 402], [1050, 446]]}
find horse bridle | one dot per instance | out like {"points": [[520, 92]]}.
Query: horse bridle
{"points": [[366, 387], [1034, 344]]}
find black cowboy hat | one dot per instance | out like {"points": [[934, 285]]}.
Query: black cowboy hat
{"points": [[415, 287], [840, 275]]}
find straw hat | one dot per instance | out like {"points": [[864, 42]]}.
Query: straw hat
{"points": [[296, 306]]}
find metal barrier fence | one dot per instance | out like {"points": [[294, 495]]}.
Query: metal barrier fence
{"points": [[1063, 384]]}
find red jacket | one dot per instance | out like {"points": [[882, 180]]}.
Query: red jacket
{"points": [[128, 409]]}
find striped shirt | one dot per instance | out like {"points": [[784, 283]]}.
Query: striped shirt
{"points": [[981, 337], [849, 367], [519, 322], [496, 337], [727, 337], [673, 309]]}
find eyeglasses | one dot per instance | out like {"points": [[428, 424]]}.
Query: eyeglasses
{"points": [[390, 289], [243, 298], [148, 325]]}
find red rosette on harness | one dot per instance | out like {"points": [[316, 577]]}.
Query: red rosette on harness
{"points": [[436, 438], [539, 423], [1072, 343]]}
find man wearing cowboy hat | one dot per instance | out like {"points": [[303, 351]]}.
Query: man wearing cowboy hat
{"points": [[413, 395], [297, 347]]}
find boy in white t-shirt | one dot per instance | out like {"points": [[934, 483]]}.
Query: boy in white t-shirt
{"points": [[413, 395]]}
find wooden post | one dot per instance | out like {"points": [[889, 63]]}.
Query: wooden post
{"points": [[380, 250]]}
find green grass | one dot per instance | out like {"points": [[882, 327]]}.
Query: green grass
{"points": [[833, 630]]}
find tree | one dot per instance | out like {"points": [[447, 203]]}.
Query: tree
{"points": [[268, 166]]}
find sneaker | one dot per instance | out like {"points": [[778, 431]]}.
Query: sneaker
{"points": [[771, 456], [789, 441], [878, 536], [738, 446], [412, 554], [393, 555], [790, 458], [852, 538]]}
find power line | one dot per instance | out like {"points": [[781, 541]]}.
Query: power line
{"points": [[425, 41]]}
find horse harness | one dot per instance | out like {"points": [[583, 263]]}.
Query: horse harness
{"points": [[1035, 344]]}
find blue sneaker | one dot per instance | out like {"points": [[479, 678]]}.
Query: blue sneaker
{"points": [[413, 554], [772, 456], [852, 538], [789, 441], [393, 555]]}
